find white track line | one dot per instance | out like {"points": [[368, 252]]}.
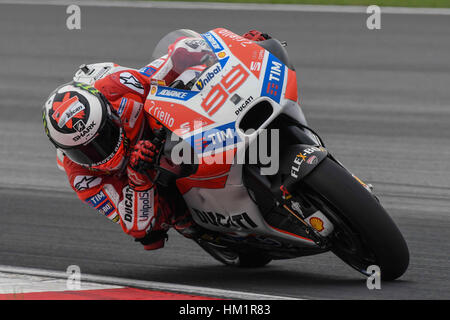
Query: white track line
{"points": [[24, 283], [150, 285], [231, 6]]}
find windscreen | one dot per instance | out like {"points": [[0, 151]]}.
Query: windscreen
{"points": [[168, 39], [209, 60]]}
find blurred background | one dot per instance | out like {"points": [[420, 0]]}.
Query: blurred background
{"points": [[380, 99]]}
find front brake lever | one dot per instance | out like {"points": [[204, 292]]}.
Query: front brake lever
{"points": [[158, 142]]}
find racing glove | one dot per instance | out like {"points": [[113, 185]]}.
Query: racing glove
{"points": [[142, 159], [256, 35], [154, 239]]}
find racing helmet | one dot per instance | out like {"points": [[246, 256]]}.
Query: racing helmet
{"points": [[79, 121]]}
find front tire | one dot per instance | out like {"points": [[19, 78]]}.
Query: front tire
{"points": [[364, 233]]}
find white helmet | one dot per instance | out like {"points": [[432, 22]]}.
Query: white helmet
{"points": [[79, 121]]}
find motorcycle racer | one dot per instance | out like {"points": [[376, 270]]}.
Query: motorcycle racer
{"points": [[103, 140]]}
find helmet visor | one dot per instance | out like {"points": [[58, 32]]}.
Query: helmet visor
{"points": [[99, 150]]}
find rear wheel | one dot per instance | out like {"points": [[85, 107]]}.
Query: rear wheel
{"points": [[364, 233]]}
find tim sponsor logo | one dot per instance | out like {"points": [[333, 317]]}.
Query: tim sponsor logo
{"points": [[273, 79]]}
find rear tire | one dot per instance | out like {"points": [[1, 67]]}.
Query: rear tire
{"points": [[364, 232]]}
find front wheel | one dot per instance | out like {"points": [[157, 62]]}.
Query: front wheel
{"points": [[364, 234]]}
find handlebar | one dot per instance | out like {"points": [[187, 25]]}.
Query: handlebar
{"points": [[166, 171]]}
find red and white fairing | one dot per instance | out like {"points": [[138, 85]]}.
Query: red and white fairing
{"points": [[209, 117]]}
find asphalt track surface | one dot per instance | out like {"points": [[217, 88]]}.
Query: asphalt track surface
{"points": [[380, 100]]}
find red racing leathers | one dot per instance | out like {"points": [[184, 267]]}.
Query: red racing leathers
{"points": [[143, 212]]}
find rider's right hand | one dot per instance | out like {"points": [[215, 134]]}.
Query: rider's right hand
{"points": [[142, 159]]}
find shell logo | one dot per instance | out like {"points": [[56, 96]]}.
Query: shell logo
{"points": [[222, 55], [153, 90], [316, 223]]}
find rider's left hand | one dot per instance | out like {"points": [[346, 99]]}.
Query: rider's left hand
{"points": [[142, 159]]}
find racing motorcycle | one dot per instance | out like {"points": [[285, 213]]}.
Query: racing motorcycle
{"points": [[245, 212]]}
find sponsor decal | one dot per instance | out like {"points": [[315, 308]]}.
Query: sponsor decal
{"points": [[86, 182], [122, 105], [79, 126], [212, 41], [131, 82], [303, 157], [312, 160], [73, 111], [128, 204], [136, 208], [216, 47], [286, 195], [157, 63], [115, 218], [316, 223], [202, 82], [195, 43], [177, 94], [102, 72], [236, 221], [273, 79], [158, 82], [65, 110], [244, 42], [161, 115], [147, 71], [145, 206], [83, 130], [243, 105], [153, 90], [179, 118], [255, 66], [96, 199], [135, 113], [106, 208], [216, 138], [248, 52]]}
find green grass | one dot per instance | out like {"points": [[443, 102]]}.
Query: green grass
{"points": [[385, 3]]}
